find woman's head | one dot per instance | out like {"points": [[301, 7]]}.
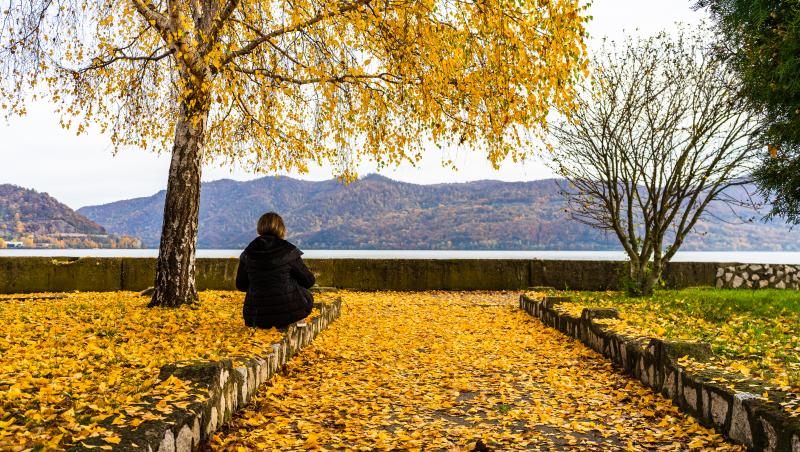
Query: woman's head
{"points": [[271, 224]]}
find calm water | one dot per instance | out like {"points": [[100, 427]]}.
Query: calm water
{"points": [[760, 257]]}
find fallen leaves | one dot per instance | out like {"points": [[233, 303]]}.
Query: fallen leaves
{"points": [[427, 371], [68, 364], [753, 337]]}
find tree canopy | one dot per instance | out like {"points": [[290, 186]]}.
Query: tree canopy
{"points": [[295, 82], [761, 40]]}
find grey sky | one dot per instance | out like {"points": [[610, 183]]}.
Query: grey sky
{"points": [[81, 170]]}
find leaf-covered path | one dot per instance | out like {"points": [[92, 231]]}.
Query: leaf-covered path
{"points": [[442, 371]]}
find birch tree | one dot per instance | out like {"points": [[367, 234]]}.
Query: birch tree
{"points": [[277, 85]]}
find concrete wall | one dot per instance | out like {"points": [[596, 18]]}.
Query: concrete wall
{"points": [[44, 274]]}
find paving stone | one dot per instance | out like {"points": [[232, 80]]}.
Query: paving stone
{"points": [[690, 396], [211, 427], [185, 440], [719, 410], [168, 443], [741, 430], [771, 437]]}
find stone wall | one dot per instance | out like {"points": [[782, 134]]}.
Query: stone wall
{"points": [[731, 405], [231, 384], [755, 276], [43, 274]]}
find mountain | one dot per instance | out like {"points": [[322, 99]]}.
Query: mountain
{"points": [[379, 213], [38, 220]]}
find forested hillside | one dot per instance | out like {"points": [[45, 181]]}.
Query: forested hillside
{"points": [[37, 220], [379, 213]]}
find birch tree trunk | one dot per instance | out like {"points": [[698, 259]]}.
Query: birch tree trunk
{"points": [[175, 270]]}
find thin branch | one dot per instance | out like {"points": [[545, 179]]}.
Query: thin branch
{"points": [[389, 78], [254, 44]]}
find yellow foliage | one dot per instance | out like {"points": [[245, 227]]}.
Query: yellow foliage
{"points": [[444, 370], [276, 84], [66, 364]]}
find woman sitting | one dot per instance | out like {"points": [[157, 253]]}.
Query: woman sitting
{"points": [[275, 278]]}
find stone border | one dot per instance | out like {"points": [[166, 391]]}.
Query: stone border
{"points": [[740, 414], [231, 383]]}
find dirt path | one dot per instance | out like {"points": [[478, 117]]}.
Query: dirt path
{"points": [[446, 371]]}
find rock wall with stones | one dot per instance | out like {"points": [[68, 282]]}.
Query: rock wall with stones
{"points": [[231, 384], [733, 406], [758, 276]]}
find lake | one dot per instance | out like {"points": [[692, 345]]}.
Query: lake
{"points": [[759, 257]]}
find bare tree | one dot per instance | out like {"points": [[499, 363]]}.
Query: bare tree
{"points": [[658, 134]]}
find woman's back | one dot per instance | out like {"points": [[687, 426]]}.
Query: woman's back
{"points": [[270, 262], [276, 280]]}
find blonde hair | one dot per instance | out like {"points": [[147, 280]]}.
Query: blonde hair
{"points": [[271, 224]]}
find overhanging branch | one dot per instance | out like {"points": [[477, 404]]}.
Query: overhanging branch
{"points": [[343, 78], [255, 43]]}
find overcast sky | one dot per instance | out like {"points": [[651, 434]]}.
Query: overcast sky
{"points": [[81, 170]]}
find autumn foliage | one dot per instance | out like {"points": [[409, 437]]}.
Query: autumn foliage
{"points": [[285, 83], [70, 362]]}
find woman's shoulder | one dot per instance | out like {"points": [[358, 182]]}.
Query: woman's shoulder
{"points": [[272, 249], [289, 244]]}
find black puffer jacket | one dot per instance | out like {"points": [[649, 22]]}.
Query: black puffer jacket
{"points": [[276, 280]]}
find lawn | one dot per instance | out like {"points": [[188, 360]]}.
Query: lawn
{"points": [[753, 332], [69, 361]]}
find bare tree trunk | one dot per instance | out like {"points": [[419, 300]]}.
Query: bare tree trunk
{"points": [[175, 270], [647, 276], [648, 283]]}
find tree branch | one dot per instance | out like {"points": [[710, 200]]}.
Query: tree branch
{"points": [[151, 14], [100, 63], [307, 81], [252, 45]]}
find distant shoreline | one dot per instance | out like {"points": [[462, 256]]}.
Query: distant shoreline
{"points": [[759, 257]]}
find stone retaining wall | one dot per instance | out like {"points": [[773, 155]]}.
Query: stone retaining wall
{"points": [[755, 276], [44, 274], [739, 413], [231, 384]]}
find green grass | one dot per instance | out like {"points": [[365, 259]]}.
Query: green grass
{"points": [[752, 331]]}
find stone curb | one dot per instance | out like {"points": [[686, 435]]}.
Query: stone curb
{"points": [[231, 383], [739, 414]]}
